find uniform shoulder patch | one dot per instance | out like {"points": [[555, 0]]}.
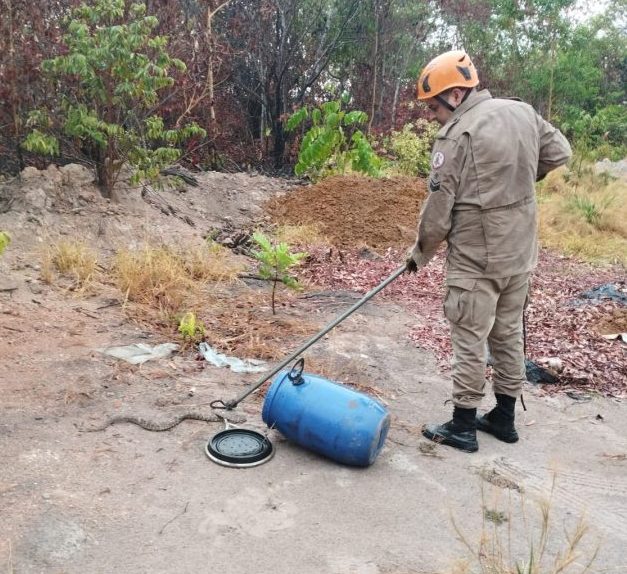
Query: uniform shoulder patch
{"points": [[438, 160]]}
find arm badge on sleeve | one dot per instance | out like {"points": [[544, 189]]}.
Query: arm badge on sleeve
{"points": [[434, 183], [438, 160]]}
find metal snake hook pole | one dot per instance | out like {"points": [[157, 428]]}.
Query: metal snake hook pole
{"points": [[233, 403]]}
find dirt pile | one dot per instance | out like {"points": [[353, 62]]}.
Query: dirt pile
{"points": [[356, 211], [40, 205]]}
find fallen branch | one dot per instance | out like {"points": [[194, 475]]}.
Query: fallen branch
{"points": [[257, 277]]}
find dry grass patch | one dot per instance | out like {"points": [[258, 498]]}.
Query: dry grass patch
{"points": [[242, 325], [168, 279], [309, 234], [530, 544], [171, 286], [70, 258], [155, 277], [585, 216], [212, 263]]}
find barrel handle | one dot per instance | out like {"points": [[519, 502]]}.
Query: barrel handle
{"points": [[296, 372]]}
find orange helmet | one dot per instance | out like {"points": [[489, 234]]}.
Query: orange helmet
{"points": [[452, 69]]}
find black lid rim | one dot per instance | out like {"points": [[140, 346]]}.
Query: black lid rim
{"points": [[265, 454]]}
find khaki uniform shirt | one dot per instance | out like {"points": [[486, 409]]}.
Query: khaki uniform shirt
{"points": [[484, 165]]}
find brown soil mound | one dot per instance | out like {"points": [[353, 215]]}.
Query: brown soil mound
{"points": [[356, 211]]}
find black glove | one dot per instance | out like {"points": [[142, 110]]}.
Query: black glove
{"points": [[410, 265]]}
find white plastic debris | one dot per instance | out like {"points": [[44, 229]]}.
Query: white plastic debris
{"points": [[620, 336], [554, 363], [237, 365], [139, 353]]}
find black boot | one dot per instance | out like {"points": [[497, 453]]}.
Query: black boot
{"points": [[499, 422], [460, 432]]}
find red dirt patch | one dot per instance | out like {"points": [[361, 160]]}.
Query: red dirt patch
{"points": [[356, 211]]}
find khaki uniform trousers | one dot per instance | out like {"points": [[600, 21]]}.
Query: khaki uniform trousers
{"points": [[480, 311]]}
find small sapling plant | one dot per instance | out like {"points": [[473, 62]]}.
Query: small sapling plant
{"points": [[191, 329], [275, 260], [5, 239]]}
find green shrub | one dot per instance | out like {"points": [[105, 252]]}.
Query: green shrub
{"points": [[599, 135], [411, 148], [333, 143]]}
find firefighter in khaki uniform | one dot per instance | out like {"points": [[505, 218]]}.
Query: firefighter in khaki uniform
{"points": [[485, 161]]}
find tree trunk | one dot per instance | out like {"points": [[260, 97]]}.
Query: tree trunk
{"points": [[397, 89], [274, 282], [379, 109], [15, 100], [103, 177], [210, 60], [279, 102], [263, 114], [279, 132], [210, 86], [107, 170], [551, 80], [373, 98]]}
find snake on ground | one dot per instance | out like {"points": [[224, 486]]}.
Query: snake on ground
{"points": [[150, 425]]}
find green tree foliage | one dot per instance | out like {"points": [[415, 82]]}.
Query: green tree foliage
{"points": [[383, 55], [119, 66], [599, 135], [275, 261], [333, 143], [504, 37], [265, 59], [572, 70]]}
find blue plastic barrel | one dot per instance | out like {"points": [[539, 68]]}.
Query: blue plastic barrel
{"points": [[327, 418]]}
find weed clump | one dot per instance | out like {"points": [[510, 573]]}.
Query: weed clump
{"points": [[5, 240], [507, 547], [191, 329], [71, 258], [590, 209]]}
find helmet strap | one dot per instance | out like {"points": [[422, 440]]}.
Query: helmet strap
{"points": [[444, 103], [447, 105]]}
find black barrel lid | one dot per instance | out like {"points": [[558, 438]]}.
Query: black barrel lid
{"points": [[241, 448]]}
